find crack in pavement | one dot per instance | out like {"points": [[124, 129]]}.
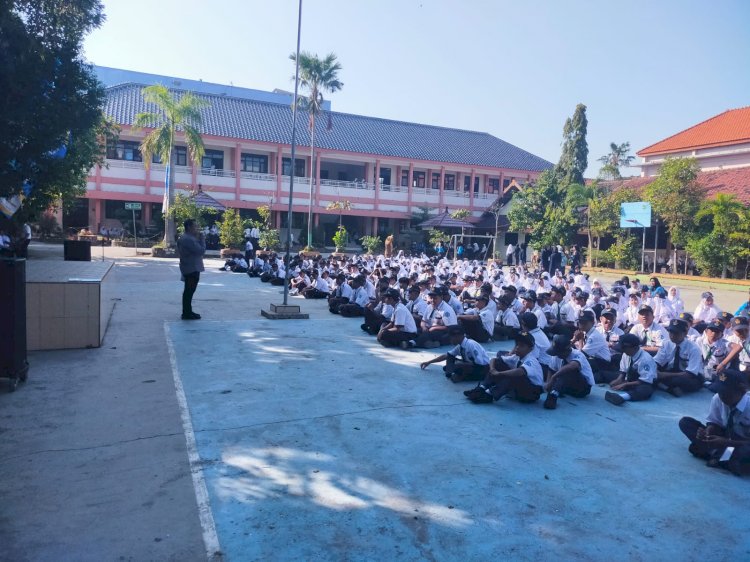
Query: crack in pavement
{"points": [[261, 424]]}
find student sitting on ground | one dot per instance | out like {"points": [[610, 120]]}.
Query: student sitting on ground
{"points": [[518, 375], [592, 343], [319, 287], [378, 312], [467, 361], [570, 372], [506, 320], [299, 282], [637, 373], [415, 304], [739, 347], [342, 294], [438, 317], [714, 348], [478, 322], [359, 299], [401, 328], [724, 441], [679, 361], [651, 334]]}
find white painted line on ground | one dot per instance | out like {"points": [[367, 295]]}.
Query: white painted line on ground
{"points": [[210, 538]]}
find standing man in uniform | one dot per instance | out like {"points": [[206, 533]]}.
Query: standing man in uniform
{"points": [[191, 246]]}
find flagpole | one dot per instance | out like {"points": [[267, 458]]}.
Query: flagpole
{"points": [[291, 171]]}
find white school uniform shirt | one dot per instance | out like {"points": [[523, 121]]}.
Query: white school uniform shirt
{"points": [[643, 364], [443, 315], [691, 359], [383, 309], [612, 336], [321, 284], [718, 413], [556, 364], [712, 354], [529, 364], [417, 306], [541, 318], [470, 351], [248, 246], [369, 289], [596, 346], [345, 290], [508, 318], [541, 345], [456, 305], [402, 317], [655, 335], [706, 313], [631, 315], [360, 297], [486, 317], [566, 312], [744, 356]]}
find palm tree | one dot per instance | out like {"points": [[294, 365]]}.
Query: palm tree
{"points": [[316, 76], [172, 112], [618, 156], [726, 212]]}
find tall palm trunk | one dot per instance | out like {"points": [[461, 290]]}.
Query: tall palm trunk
{"points": [[312, 178], [169, 223]]}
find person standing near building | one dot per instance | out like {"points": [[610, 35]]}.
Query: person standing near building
{"points": [[509, 254], [191, 246], [255, 237]]}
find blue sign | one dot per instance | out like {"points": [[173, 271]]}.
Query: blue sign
{"points": [[635, 215]]}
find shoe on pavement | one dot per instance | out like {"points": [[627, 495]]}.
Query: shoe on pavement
{"points": [[482, 398], [676, 391], [551, 402], [191, 316], [406, 344], [614, 398], [476, 390]]}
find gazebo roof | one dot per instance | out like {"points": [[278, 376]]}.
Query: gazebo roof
{"points": [[203, 199], [445, 220]]}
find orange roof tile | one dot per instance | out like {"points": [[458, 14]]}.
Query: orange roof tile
{"points": [[735, 181], [730, 127]]}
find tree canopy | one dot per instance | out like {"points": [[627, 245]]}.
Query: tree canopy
{"points": [[49, 99], [618, 156], [575, 150]]}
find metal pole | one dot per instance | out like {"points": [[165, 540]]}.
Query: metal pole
{"points": [[656, 242], [643, 250], [291, 174], [135, 234]]}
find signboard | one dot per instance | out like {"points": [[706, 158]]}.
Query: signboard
{"points": [[132, 206], [635, 215]]}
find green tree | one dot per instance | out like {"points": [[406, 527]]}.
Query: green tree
{"points": [[49, 99], [575, 151], [316, 76], [617, 157], [231, 231], [172, 112], [371, 243], [725, 212], [676, 196], [184, 207], [340, 238]]}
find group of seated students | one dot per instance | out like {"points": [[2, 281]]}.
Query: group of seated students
{"points": [[569, 334]]}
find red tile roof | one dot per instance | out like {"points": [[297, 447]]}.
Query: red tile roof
{"points": [[735, 181], [730, 127]]}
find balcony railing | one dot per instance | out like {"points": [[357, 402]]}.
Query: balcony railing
{"points": [[125, 164], [258, 176], [348, 184], [217, 172]]}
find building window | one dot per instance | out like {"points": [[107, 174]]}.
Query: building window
{"points": [[342, 176], [299, 167], [435, 181], [506, 182], [494, 185], [124, 150], [213, 159], [450, 181], [404, 179], [180, 156], [467, 181], [418, 179], [254, 163], [324, 174], [155, 159]]}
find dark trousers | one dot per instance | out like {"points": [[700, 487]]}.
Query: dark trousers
{"points": [[475, 330], [559, 328], [440, 336], [350, 310], [739, 462], [313, 293], [505, 331], [191, 284], [373, 320], [266, 277], [335, 302], [393, 338], [572, 383], [519, 388], [602, 369], [642, 391], [686, 383], [459, 370]]}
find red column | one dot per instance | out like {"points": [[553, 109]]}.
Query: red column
{"points": [[279, 169], [98, 178], [441, 198], [411, 175], [317, 181], [502, 182], [367, 172], [237, 153], [377, 184], [471, 190]]}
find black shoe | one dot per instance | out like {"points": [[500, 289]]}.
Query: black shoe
{"points": [[191, 316], [482, 398], [365, 327], [551, 402], [477, 389], [676, 391], [614, 398]]}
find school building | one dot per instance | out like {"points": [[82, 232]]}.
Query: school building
{"points": [[385, 169]]}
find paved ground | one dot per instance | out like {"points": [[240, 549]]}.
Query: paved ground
{"points": [[340, 450]]}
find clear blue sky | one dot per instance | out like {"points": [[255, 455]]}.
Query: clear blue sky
{"points": [[515, 69]]}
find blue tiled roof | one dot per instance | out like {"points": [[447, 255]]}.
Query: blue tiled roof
{"points": [[256, 120]]}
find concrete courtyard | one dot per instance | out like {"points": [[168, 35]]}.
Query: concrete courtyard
{"points": [[241, 438]]}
